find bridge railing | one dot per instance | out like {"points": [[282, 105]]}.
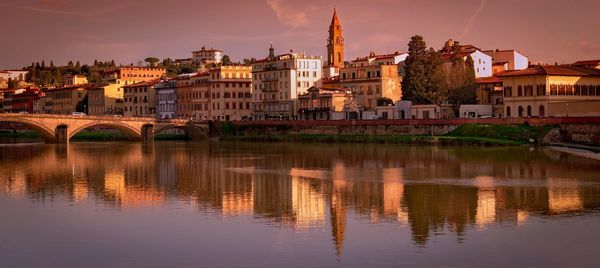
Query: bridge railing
{"points": [[92, 117], [538, 121]]}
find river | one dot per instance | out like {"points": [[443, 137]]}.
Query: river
{"points": [[190, 204]]}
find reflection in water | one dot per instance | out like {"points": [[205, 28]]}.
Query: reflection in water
{"points": [[429, 190]]}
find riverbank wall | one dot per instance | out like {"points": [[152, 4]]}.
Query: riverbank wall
{"points": [[578, 130]]}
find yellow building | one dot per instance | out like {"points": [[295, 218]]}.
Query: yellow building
{"points": [[66, 100], [105, 99], [75, 79], [551, 91], [139, 100], [319, 103], [128, 75], [200, 96], [489, 91], [369, 83], [231, 92]]}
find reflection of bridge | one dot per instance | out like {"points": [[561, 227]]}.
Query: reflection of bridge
{"points": [[60, 128]]}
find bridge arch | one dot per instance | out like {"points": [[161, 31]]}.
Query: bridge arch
{"points": [[130, 131], [49, 135], [164, 127]]}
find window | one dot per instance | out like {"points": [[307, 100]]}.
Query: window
{"points": [[508, 91]]}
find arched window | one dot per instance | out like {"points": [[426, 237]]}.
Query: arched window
{"points": [[520, 111], [508, 111], [528, 110], [542, 111]]}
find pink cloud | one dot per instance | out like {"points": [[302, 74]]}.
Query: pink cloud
{"points": [[288, 15]]}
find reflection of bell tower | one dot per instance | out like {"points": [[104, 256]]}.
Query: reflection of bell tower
{"points": [[335, 43], [338, 221]]}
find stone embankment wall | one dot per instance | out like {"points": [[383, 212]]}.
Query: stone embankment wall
{"points": [[581, 130], [588, 134]]}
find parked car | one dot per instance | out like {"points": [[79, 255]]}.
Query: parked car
{"points": [[78, 114]]}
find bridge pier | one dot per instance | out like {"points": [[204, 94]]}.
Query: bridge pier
{"points": [[148, 133], [62, 135]]}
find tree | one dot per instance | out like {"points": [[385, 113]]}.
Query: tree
{"points": [[82, 106], [226, 60], [461, 84], [414, 83], [13, 83], [152, 61], [435, 86]]}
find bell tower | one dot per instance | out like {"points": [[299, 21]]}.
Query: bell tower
{"points": [[335, 43]]}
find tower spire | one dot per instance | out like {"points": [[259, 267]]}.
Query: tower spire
{"points": [[335, 43], [271, 51]]}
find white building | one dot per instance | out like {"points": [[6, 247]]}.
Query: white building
{"points": [[207, 55], [482, 62], [278, 80], [507, 60], [374, 59], [475, 110], [13, 74], [166, 99]]}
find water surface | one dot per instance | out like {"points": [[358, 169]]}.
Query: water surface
{"points": [[262, 205]]}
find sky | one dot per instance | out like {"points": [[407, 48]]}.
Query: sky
{"points": [[128, 31]]}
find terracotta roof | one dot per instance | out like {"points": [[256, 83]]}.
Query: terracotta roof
{"points": [[143, 84], [86, 86], [379, 57], [207, 50], [487, 80], [564, 70], [587, 62]]}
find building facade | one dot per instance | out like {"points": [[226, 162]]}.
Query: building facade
{"points": [[18, 75], [207, 56], [482, 63], [277, 81], [489, 92], [20, 100], [139, 100], [551, 91], [127, 75], [105, 99], [74, 79], [184, 96], [166, 99], [323, 104], [372, 82], [507, 60], [231, 93], [66, 100], [200, 98]]}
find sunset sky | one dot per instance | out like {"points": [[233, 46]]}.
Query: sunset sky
{"points": [[130, 30]]}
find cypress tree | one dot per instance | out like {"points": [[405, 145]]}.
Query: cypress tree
{"points": [[414, 83]]}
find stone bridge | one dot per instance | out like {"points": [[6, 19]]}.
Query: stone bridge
{"points": [[61, 128]]}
